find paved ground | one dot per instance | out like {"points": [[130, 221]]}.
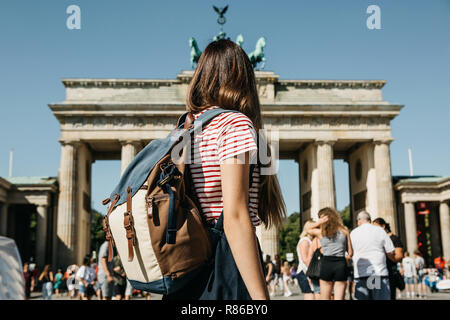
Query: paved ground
{"points": [[279, 296]]}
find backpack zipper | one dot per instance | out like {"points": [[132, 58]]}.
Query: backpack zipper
{"points": [[150, 202]]}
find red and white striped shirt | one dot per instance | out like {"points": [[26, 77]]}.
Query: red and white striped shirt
{"points": [[228, 135]]}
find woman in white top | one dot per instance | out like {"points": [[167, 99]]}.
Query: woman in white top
{"points": [[304, 257]]}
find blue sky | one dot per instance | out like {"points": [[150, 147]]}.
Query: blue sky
{"points": [[149, 39]]}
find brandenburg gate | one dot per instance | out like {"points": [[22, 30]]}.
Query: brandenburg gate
{"points": [[317, 121]]}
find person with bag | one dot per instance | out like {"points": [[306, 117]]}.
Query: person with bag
{"points": [[234, 196], [184, 212], [335, 242]]}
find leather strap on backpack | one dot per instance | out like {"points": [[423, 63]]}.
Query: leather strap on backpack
{"points": [[107, 229], [128, 224]]}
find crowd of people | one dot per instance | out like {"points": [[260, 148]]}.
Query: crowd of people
{"points": [[103, 279], [368, 263]]}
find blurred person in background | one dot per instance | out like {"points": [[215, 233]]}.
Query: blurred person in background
{"points": [[29, 280], [270, 276], [286, 273], [86, 278], [420, 264], [58, 282], [46, 278], [409, 273], [71, 281]]}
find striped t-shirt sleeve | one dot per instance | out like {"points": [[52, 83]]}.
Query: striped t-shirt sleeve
{"points": [[236, 136]]}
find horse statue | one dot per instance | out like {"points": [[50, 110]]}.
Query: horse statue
{"points": [[240, 40], [195, 51], [258, 55]]}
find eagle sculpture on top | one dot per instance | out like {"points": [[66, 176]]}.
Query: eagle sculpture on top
{"points": [[221, 19]]}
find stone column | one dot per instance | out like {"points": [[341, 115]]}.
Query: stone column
{"points": [[41, 234], [270, 242], [410, 227], [67, 204], [129, 151], [444, 214], [326, 175], [385, 196], [4, 219]]}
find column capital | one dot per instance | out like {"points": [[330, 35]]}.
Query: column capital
{"points": [[330, 142], [75, 143], [136, 143], [387, 141]]}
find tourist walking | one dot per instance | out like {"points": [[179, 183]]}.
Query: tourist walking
{"points": [[395, 278], [420, 271], [231, 202], [371, 245], [270, 275], [46, 278], [71, 282], [286, 274], [105, 272], [409, 273], [86, 278], [277, 280], [336, 248], [29, 280], [58, 282], [304, 257]]}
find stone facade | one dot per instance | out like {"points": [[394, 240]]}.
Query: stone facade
{"points": [[316, 121], [21, 197], [423, 208]]}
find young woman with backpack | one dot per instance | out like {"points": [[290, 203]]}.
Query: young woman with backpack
{"points": [[223, 154]]}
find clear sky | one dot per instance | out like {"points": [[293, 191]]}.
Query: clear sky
{"points": [[320, 39]]}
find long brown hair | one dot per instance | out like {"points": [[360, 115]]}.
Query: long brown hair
{"points": [[224, 77], [333, 225], [46, 271]]}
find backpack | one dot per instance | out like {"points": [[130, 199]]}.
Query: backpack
{"points": [[154, 219]]}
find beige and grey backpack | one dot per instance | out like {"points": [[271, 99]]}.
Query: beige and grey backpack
{"points": [[153, 219]]}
